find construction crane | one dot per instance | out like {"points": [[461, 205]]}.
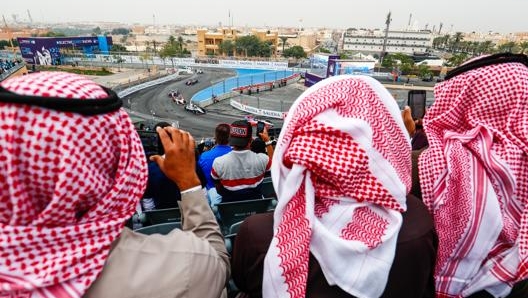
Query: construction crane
{"points": [[29, 16], [8, 31]]}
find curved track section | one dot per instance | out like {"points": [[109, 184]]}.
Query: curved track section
{"points": [[155, 101]]}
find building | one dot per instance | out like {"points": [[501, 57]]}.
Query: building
{"points": [[306, 40], [209, 42], [371, 41]]}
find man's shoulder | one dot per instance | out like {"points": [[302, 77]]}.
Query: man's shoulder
{"points": [[223, 158], [215, 152]]}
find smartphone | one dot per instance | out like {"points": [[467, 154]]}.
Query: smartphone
{"points": [[260, 127], [416, 101]]}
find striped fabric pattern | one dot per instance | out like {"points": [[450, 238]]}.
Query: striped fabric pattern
{"points": [[239, 170], [341, 171], [68, 183], [474, 179]]}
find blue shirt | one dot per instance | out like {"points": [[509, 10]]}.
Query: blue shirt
{"points": [[206, 161]]}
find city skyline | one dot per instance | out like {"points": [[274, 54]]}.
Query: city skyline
{"points": [[464, 16]]}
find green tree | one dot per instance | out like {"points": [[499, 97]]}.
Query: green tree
{"points": [[485, 47], [227, 47], [324, 50], [457, 39], [457, 59], [96, 31], [507, 47], [295, 52], [118, 48], [523, 46], [180, 43], [52, 34], [168, 51], [120, 31], [424, 71], [403, 62], [283, 40]]}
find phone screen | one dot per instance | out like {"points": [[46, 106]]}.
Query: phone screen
{"points": [[416, 101], [260, 127]]}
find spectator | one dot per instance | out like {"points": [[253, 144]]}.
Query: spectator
{"points": [[344, 224], [474, 177], [163, 191], [258, 146], [207, 158], [72, 170], [239, 173]]}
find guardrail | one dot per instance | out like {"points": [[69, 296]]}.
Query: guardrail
{"points": [[11, 71]]}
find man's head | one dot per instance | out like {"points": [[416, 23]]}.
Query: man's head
{"points": [[477, 164], [222, 134], [240, 135], [72, 169], [343, 154]]}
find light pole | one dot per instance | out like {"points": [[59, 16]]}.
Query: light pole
{"points": [[387, 22]]}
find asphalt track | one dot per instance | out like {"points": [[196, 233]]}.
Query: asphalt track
{"points": [[155, 101]]}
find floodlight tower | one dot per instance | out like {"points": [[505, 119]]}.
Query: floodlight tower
{"points": [[387, 23]]}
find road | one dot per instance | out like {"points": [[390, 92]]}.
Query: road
{"points": [[155, 99]]}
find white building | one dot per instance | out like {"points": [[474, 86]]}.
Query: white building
{"points": [[371, 41]]}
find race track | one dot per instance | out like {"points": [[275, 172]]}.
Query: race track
{"points": [[156, 100]]}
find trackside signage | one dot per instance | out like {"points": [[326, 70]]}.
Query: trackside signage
{"points": [[261, 112]]}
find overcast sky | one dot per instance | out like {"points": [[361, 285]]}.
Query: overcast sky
{"points": [[463, 15]]}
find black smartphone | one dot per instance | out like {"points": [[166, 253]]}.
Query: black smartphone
{"points": [[416, 101], [260, 127]]}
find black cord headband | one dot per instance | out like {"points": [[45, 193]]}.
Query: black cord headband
{"points": [[86, 107], [486, 61]]}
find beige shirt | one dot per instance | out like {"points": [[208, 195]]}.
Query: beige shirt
{"points": [[192, 262]]}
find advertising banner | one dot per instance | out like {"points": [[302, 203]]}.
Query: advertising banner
{"points": [[46, 50], [311, 79]]}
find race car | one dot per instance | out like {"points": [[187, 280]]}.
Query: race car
{"points": [[191, 82], [179, 100], [253, 121], [191, 107], [174, 93]]}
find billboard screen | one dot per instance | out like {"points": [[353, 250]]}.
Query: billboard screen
{"points": [[46, 50], [311, 79], [352, 67]]}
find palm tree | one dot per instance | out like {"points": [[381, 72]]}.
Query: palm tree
{"points": [[456, 41], [523, 46], [507, 47], [283, 39], [180, 43], [485, 47]]}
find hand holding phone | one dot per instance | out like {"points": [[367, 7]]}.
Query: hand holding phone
{"points": [[416, 100], [260, 128]]}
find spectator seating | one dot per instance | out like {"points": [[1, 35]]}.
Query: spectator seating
{"points": [[267, 188], [161, 216], [163, 228], [235, 212]]}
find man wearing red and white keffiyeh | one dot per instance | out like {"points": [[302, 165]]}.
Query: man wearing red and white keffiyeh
{"points": [[341, 171], [474, 179], [68, 183]]}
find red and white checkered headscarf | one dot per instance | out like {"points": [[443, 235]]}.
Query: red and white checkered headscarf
{"points": [[341, 171], [68, 183], [474, 179]]}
